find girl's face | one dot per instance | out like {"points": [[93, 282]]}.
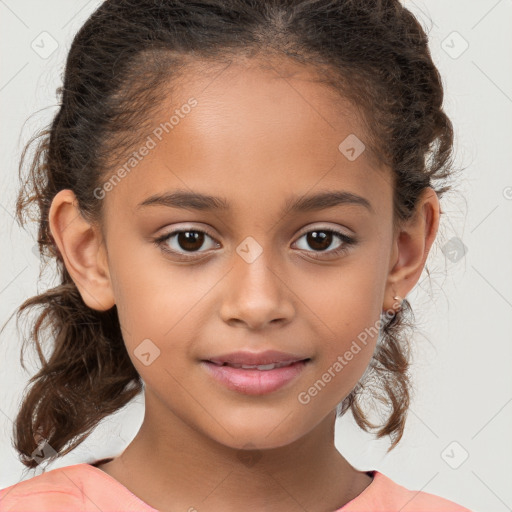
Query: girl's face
{"points": [[265, 276]]}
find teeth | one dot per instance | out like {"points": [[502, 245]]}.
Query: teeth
{"points": [[270, 366], [263, 367]]}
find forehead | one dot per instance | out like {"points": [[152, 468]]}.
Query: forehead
{"points": [[253, 133]]}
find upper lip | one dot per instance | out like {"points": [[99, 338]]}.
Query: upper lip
{"points": [[256, 358]]}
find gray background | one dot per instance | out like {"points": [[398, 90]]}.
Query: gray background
{"points": [[463, 344]]}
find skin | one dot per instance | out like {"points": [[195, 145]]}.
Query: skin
{"points": [[255, 139]]}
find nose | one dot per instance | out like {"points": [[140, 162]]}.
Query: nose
{"points": [[256, 295]]}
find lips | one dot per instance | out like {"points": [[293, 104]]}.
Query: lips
{"points": [[255, 381], [266, 360], [255, 373]]}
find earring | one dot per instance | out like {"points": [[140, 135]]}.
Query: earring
{"points": [[397, 297]]}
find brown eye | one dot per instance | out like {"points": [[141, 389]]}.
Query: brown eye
{"points": [[319, 240], [190, 240], [180, 242]]}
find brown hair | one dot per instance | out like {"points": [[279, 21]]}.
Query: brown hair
{"points": [[373, 52]]}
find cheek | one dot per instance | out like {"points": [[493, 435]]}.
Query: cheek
{"points": [[344, 301], [158, 301], [344, 310]]}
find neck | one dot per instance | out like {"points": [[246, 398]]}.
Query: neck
{"points": [[171, 466]]}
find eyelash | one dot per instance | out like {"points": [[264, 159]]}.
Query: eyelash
{"points": [[347, 242]]}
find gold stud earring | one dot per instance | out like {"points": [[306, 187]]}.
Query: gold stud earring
{"points": [[400, 299]]}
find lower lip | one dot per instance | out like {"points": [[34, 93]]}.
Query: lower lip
{"points": [[254, 381]]}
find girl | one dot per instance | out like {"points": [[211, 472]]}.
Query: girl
{"points": [[238, 196]]}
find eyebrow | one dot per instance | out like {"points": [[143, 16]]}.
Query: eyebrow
{"points": [[204, 202]]}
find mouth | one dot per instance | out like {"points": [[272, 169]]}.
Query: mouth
{"points": [[261, 367], [255, 379]]}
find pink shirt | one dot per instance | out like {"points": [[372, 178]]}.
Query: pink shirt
{"points": [[84, 487]]}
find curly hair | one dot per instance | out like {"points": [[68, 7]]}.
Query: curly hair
{"points": [[374, 53]]}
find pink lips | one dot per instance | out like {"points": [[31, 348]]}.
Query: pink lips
{"points": [[254, 381]]}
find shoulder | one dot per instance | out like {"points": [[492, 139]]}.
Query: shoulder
{"points": [[79, 487], [55, 490], [385, 495]]}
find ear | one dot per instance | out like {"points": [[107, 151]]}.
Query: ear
{"points": [[411, 246], [83, 251]]}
